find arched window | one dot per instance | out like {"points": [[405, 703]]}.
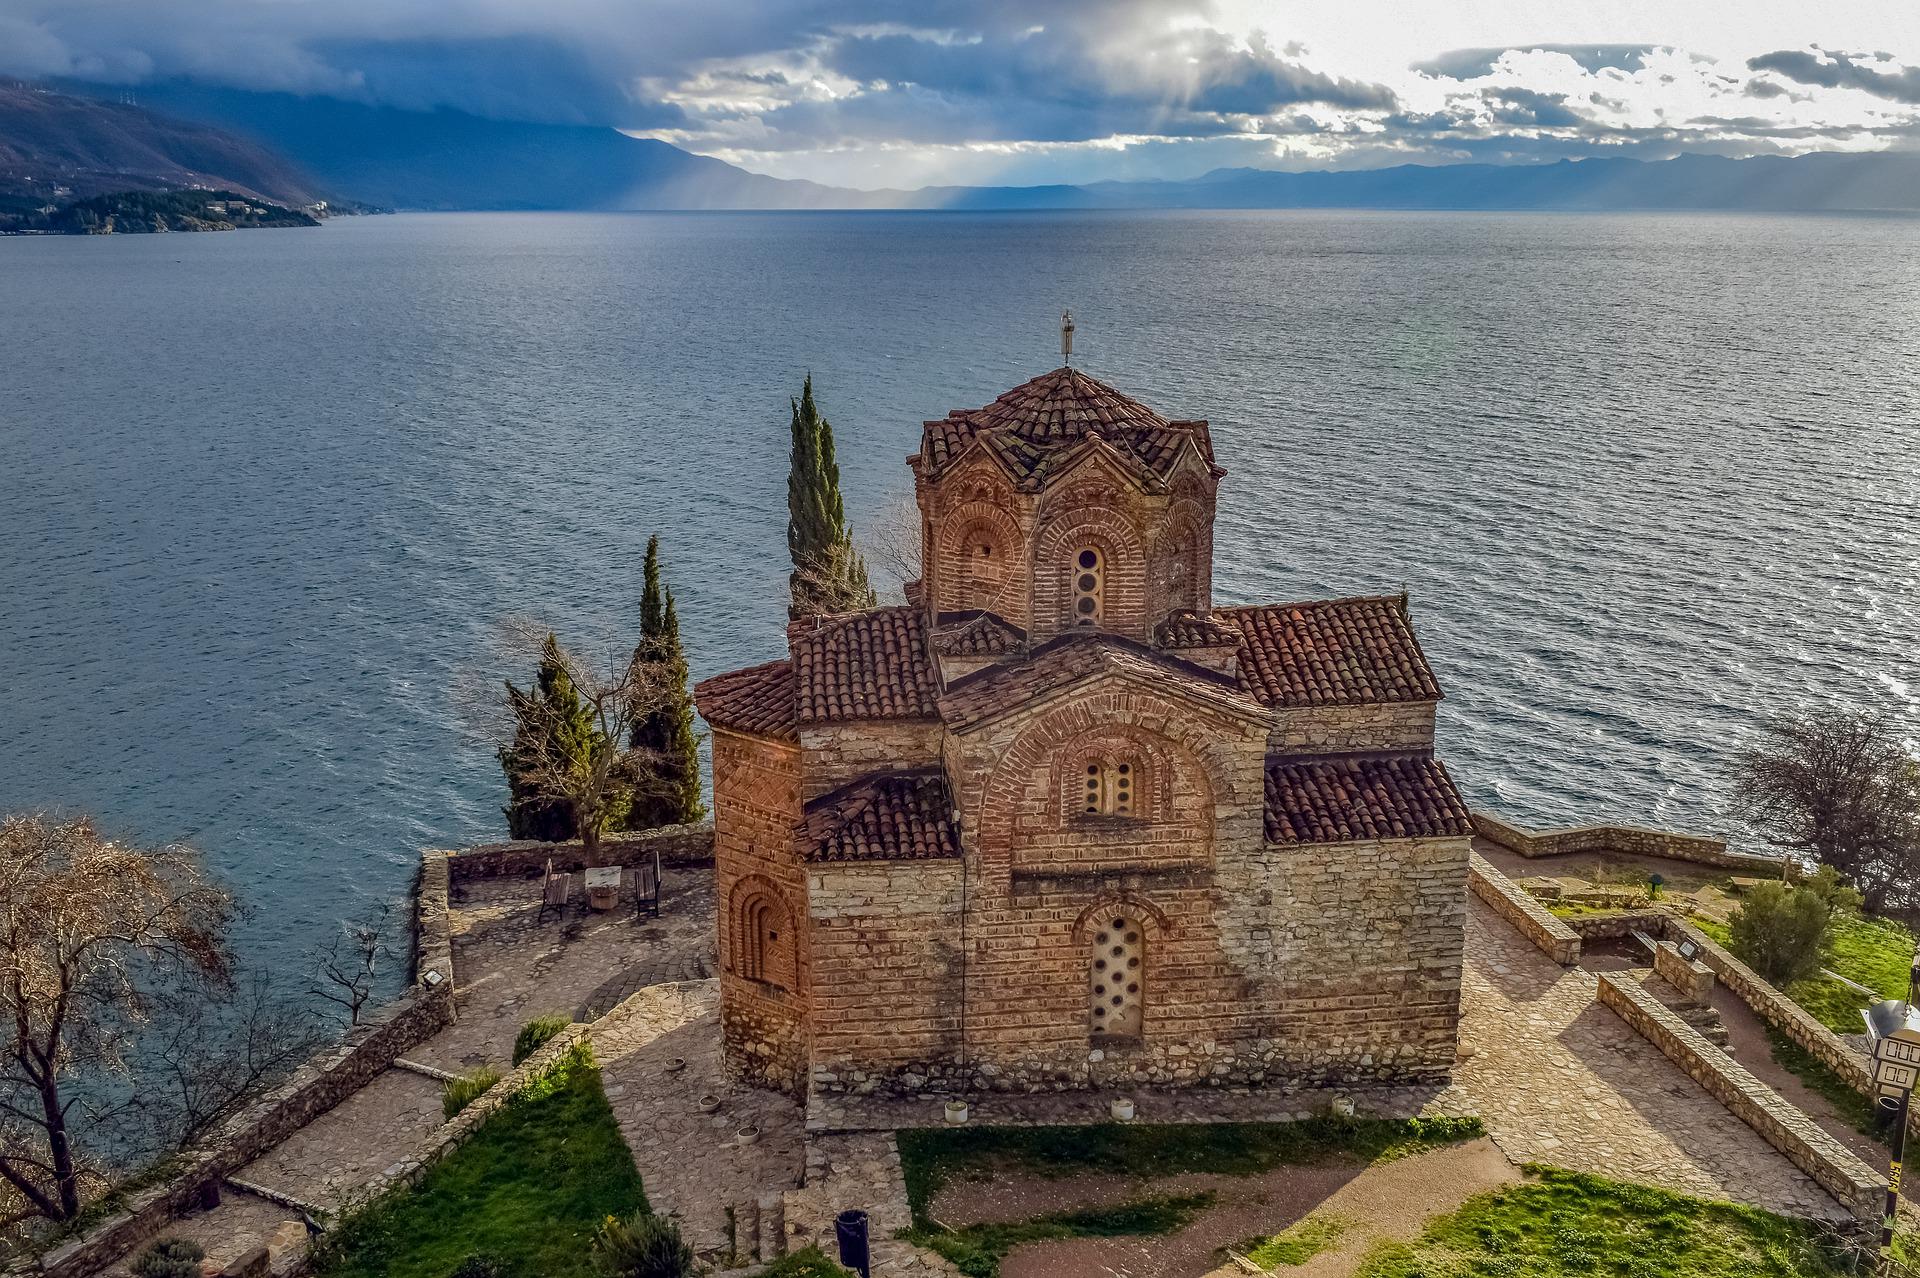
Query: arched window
{"points": [[762, 949], [1117, 976], [1110, 788], [1089, 583]]}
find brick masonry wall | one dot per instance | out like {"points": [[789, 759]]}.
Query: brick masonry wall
{"points": [[1535, 922], [1339, 729], [677, 845], [1621, 840], [1832, 1165], [757, 787], [838, 753]]}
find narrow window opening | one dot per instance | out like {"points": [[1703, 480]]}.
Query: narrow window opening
{"points": [[1116, 995], [1109, 789], [1089, 583]]}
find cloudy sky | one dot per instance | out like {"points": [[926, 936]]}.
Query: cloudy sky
{"points": [[863, 93]]}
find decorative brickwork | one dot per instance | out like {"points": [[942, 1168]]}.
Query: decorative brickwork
{"points": [[1059, 824]]}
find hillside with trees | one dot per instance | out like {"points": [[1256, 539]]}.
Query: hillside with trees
{"points": [[141, 212]]}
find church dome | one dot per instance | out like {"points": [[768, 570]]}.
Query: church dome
{"points": [[1063, 405]]}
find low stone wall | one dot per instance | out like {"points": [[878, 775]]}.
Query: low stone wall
{"points": [[1782, 1013], [1624, 840], [677, 845], [1693, 979], [459, 1129], [316, 1087], [1534, 921], [432, 924], [1832, 1165], [1611, 927]]}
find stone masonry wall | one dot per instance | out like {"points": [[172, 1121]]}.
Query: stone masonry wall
{"points": [[1808, 1146], [838, 753], [1535, 922], [1341, 729], [329, 1077], [1625, 840], [886, 970], [677, 845], [756, 804]]}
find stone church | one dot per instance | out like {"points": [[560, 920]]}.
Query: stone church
{"points": [[1060, 822]]}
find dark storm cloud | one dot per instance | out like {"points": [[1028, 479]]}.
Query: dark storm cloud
{"points": [[1525, 107], [1833, 70], [1469, 64]]}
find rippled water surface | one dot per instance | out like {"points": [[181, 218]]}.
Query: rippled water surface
{"points": [[264, 495]]}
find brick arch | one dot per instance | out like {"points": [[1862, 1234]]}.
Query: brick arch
{"points": [[1004, 791], [959, 529], [1185, 539], [761, 945], [1155, 919], [1119, 542], [1152, 755]]}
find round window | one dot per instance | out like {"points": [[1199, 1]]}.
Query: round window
{"points": [[1089, 559]]}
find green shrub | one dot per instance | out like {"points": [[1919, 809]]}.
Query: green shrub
{"points": [[466, 1089], [641, 1246], [534, 1035], [1782, 932], [480, 1265], [808, 1262], [170, 1258]]}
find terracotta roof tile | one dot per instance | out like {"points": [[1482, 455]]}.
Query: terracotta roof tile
{"points": [[1331, 653], [1035, 425], [759, 699], [901, 816], [1067, 660], [976, 633], [1188, 629], [867, 665], [1342, 800]]}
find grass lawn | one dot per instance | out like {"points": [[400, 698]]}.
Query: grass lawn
{"points": [[1296, 1244], [931, 1157], [1565, 1224], [530, 1188], [809, 1262], [1877, 953], [977, 1250]]}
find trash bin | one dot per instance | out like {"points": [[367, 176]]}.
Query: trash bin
{"points": [[850, 1227]]}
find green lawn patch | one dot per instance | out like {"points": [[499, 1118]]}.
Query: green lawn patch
{"points": [[808, 1262], [977, 1250], [1296, 1244], [1878, 953], [930, 1157], [530, 1187], [1569, 1225]]}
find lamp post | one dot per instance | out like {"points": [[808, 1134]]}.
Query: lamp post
{"points": [[1893, 1039]]}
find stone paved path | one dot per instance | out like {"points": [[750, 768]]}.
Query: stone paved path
{"points": [[694, 1165], [859, 1169], [344, 1147], [1560, 1079], [510, 968]]}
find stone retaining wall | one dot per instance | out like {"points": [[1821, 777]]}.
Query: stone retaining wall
{"points": [[1611, 927], [677, 845], [316, 1087], [1832, 1165], [1782, 1013], [1534, 921], [1625, 840], [1693, 979]]}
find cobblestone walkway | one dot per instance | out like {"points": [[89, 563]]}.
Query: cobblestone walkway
{"points": [[511, 967], [669, 967], [1560, 1079], [695, 1166], [343, 1148], [859, 1169]]}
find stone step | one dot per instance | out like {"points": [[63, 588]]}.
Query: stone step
{"points": [[276, 1197], [434, 1072], [773, 1227]]}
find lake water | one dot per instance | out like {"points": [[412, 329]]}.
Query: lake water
{"points": [[265, 495]]}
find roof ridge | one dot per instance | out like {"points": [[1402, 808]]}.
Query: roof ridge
{"points": [[1313, 603]]}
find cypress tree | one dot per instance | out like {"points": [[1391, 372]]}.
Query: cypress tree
{"points": [[552, 723], [828, 574], [665, 738]]}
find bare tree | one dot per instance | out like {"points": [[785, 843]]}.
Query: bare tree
{"points": [[209, 1056], [92, 928], [1839, 786], [891, 541], [578, 748], [346, 969]]}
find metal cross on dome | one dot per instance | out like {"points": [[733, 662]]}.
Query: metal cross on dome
{"points": [[1066, 338]]}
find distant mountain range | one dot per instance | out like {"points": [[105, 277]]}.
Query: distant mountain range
{"points": [[294, 150]]}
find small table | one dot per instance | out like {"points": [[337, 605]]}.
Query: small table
{"points": [[603, 886]]}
